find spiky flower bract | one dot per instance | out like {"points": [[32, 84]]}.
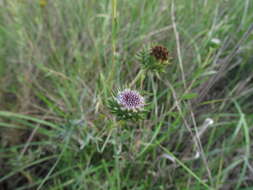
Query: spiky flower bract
{"points": [[154, 58], [128, 104]]}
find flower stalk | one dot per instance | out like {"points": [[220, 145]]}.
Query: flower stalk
{"points": [[140, 76]]}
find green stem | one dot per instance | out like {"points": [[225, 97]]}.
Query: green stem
{"points": [[138, 76], [114, 36]]}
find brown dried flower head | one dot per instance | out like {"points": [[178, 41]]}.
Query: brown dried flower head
{"points": [[160, 53]]}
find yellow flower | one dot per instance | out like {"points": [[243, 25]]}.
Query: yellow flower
{"points": [[43, 3]]}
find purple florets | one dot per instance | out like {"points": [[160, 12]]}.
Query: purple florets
{"points": [[130, 100]]}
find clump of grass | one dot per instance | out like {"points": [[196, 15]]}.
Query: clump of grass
{"points": [[60, 62]]}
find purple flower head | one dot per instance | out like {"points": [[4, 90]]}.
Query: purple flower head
{"points": [[130, 100]]}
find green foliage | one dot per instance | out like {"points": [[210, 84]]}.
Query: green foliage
{"points": [[60, 60]]}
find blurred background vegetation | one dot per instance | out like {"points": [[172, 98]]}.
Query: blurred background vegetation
{"points": [[58, 66]]}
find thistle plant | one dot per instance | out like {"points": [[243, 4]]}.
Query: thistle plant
{"points": [[160, 53], [154, 59], [128, 105]]}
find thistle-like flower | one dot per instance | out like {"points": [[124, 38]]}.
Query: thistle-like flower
{"points": [[128, 104], [160, 53], [154, 58], [130, 100]]}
